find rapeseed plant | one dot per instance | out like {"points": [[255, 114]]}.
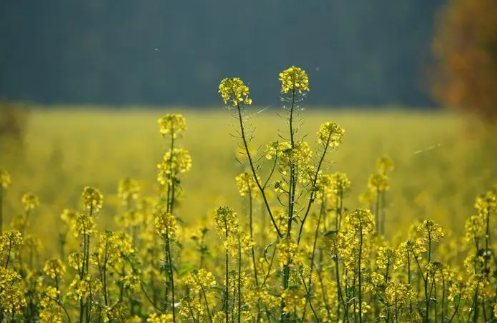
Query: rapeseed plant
{"points": [[295, 251]]}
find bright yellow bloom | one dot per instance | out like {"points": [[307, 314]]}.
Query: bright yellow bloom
{"points": [[226, 220], [398, 293], [429, 231], [474, 228], [81, 288], [54, 268], [330, 134], [287, 249], [294, 79], [172, 124], [166, 224], [75, 260], [162, 318], [299, 156], [10, 240], [234, 92], [84, 225], [246, 183], [361, 220], [199, 280], [179, 161]]}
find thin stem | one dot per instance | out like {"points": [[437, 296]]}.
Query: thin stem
{"points": [[359, 272], [239, 280], [313, 186], [1, 210], [316, 236], [226, 275], [254, 172]]}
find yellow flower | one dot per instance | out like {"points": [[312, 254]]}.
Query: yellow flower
{"points": [[128, 189], [76, 260], [287, 249], [361, 220], [384, 165], [226, 220], [92, 199], [330, 134], [81, 288], [429, 231], [165, 223], [474, 228], [234, 92], [4, 178], [398, 293], [173, 163], [68, 216], [30, 201], [246, 183], [199, 280], [84, 225], [162, 318], [294, 79], [378, 183], [299, 156], [172, 124], [54, 268], [386, 257]]}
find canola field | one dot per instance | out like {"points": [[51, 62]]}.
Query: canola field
{"points": [[352, 216]]}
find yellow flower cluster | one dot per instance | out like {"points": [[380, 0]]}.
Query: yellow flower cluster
{"points": [[294, 79], [84, 225], [246, 183], [30, 201], [361, 220], [226, 221], [330, 134], [298, 253], [54, 268], [234, 92], [128, 189], [81, 288], [4, 178], [172, 124], [286, 156], [173, 163], [166, 224], [92, 199], [161, 318]]}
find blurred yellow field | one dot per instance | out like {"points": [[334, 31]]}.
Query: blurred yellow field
{"points": [[438, 170]]}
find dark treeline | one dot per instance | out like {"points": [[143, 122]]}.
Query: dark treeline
{"points": [[357, 52]]}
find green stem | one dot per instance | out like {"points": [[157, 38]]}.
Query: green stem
{"points": [[239, 280], [1, 210], [226, 275], [360, 271], [254, 172]]}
